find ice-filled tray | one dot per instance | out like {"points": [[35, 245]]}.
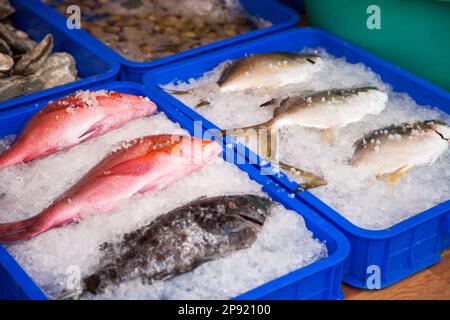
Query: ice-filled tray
{"points": [[415, 230], [311, 273]]}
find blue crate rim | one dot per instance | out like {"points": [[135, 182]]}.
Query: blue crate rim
{"points": [[337, 257], [314, 202], [293, 19], [29, 98]]}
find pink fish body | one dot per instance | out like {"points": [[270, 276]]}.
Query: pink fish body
{"points": [[146, 164], [71, 120]]}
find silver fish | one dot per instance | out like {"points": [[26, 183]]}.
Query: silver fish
{"points": [[335, 108], [327, 109], [268, 70], [31, 61], [166, 248], [390, 152]]}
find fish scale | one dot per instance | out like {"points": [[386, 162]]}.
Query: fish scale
{"points": [[71, 120], [393, 150], [137, 168], [181, 240]]}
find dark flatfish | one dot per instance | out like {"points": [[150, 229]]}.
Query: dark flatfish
{"points": [[181, 240]]}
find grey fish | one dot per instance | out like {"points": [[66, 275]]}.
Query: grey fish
{"points": [[326, 109], [14, 38], [6, 9], [391, 151], [268, 70], [31, 61], [264, 70], [181, 240]]}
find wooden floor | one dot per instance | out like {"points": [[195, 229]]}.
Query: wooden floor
{"points": [[430, 284]]}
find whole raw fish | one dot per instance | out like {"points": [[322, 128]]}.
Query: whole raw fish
{"points": [[392, 151], [268, 70], [264, 70], [329, 109], [181, 240], [146, 164], [335, 108], [71, 120]]}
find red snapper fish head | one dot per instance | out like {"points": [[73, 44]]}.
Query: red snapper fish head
{"points": [[194, 151], [138, 105]]}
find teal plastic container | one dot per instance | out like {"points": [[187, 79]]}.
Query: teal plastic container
{"points": [[413, 34]]}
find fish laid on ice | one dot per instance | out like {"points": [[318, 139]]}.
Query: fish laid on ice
{"points": [[264, 70], [145, 164], [390, 152], [181, 240], [268, 70], [335, 108], [71, 120], [327, 109]]}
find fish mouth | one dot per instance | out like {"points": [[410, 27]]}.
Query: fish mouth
{"points": [[252, 219], [261, 211], [441, 128], [311, 58], [442, 136]]}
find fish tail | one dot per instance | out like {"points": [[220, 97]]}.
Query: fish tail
{"points": [[11, 157], [246, 131], [176, 92], [20, 230], [314, 180], [56, 215]]}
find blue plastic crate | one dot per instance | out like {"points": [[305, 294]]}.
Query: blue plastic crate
{"points": [[399, 251], [319, 280], [92, 67], [298, 5], [281, 17]]}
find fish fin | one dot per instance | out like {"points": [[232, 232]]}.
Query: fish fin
{"points": [[132, 167], [148, 187], [96, 129], [176, 92], [202, 103], [268, 144], [393, 177], [328, 136], [314, 180], [19, 230], [268, 103]]}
